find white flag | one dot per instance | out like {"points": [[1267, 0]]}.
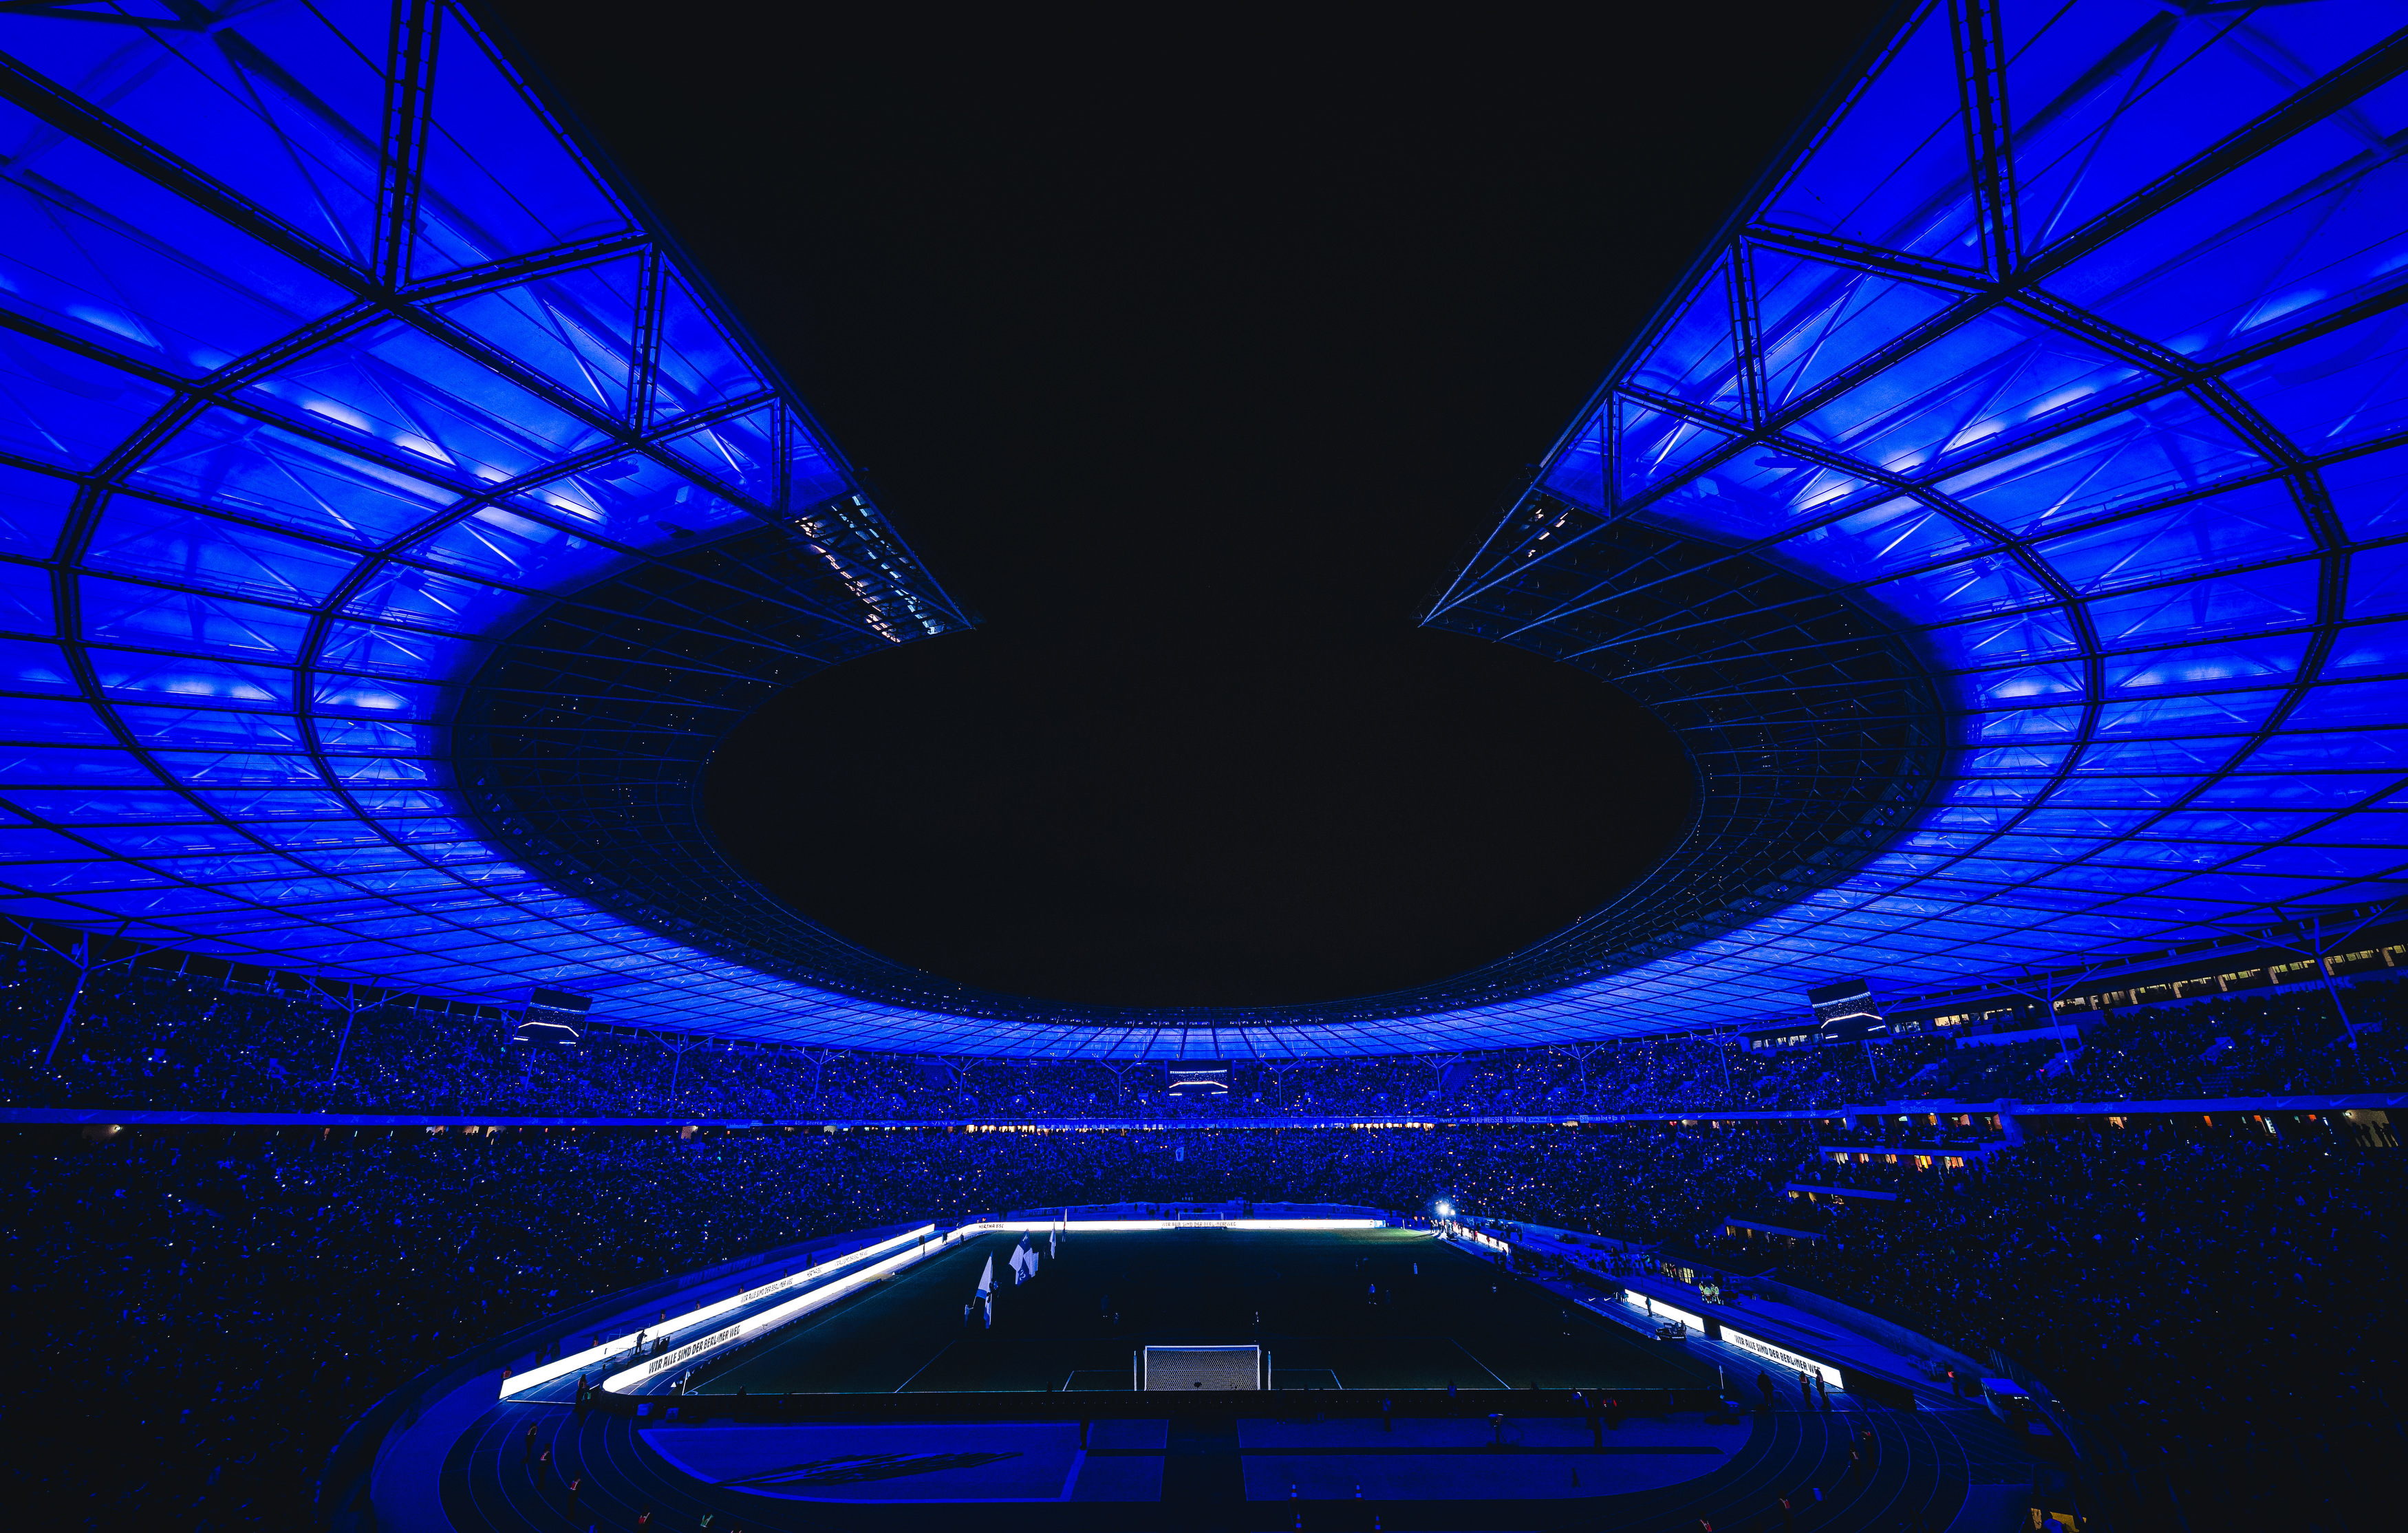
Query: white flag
{"points": [[986, 1278]]}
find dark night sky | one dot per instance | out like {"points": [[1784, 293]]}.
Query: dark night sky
{"points": [[1192, 352]]}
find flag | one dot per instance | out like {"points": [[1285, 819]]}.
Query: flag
{"points": [[986, 1278], [1053, 1243]]}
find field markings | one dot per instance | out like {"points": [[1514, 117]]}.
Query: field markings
{"points": [[1478, 1364], [926, 1367]]}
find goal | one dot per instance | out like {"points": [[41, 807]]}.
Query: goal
{"points": [[1200, 1368]]}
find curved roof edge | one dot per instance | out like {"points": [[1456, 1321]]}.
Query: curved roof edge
{"points": [[2010, 512]]}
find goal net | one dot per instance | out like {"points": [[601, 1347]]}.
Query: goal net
{"points": [[1200, 1368]]}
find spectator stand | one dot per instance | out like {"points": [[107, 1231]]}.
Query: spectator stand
{"points": [[1748, 1325], [1759, 1333], [314, 1254], [382, 1460], [156, 1030]]}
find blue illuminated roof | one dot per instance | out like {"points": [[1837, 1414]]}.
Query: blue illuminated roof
{"points": [[2011, 513], [2071, 349]]}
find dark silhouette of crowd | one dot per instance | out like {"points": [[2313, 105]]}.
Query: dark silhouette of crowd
{"points": [[2215, 1295], [205, 1309], [200, 1312], [2240, 1045], [149, 1037]]}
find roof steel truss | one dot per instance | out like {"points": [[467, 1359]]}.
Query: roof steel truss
{"points": [[2010, 512]]}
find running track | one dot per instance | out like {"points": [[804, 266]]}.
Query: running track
{"points": [[1921, 1464]]}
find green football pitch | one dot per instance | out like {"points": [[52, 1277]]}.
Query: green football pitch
{"points": [[1347, 1310]]}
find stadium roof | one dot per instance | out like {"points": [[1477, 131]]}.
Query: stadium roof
{"points": [[2008, 513]]}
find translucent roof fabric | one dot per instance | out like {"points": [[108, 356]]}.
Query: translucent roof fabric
{"points": [[2047, 410], [2071, 346], [326, 363]]}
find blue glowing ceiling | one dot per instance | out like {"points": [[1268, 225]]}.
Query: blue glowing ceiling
{"points": [[2073, 343], [2064, 360]]}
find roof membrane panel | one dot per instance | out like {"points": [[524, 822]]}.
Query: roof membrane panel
{"points": [[497, 178], [63, 409], [1698, 357], [2337, 389], [114, 260], [1890, 170], [282, 111], [575, 328], [2296, 233]]}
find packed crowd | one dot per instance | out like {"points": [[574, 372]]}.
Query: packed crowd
{"points": [[2220, 1300], [151, 1038], [2242, 1045], [209, 1306], [201, 1311], [212, 1306]]}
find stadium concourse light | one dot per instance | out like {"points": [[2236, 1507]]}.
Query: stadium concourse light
{"points": [[1446, 1209], [2007, 512]]}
